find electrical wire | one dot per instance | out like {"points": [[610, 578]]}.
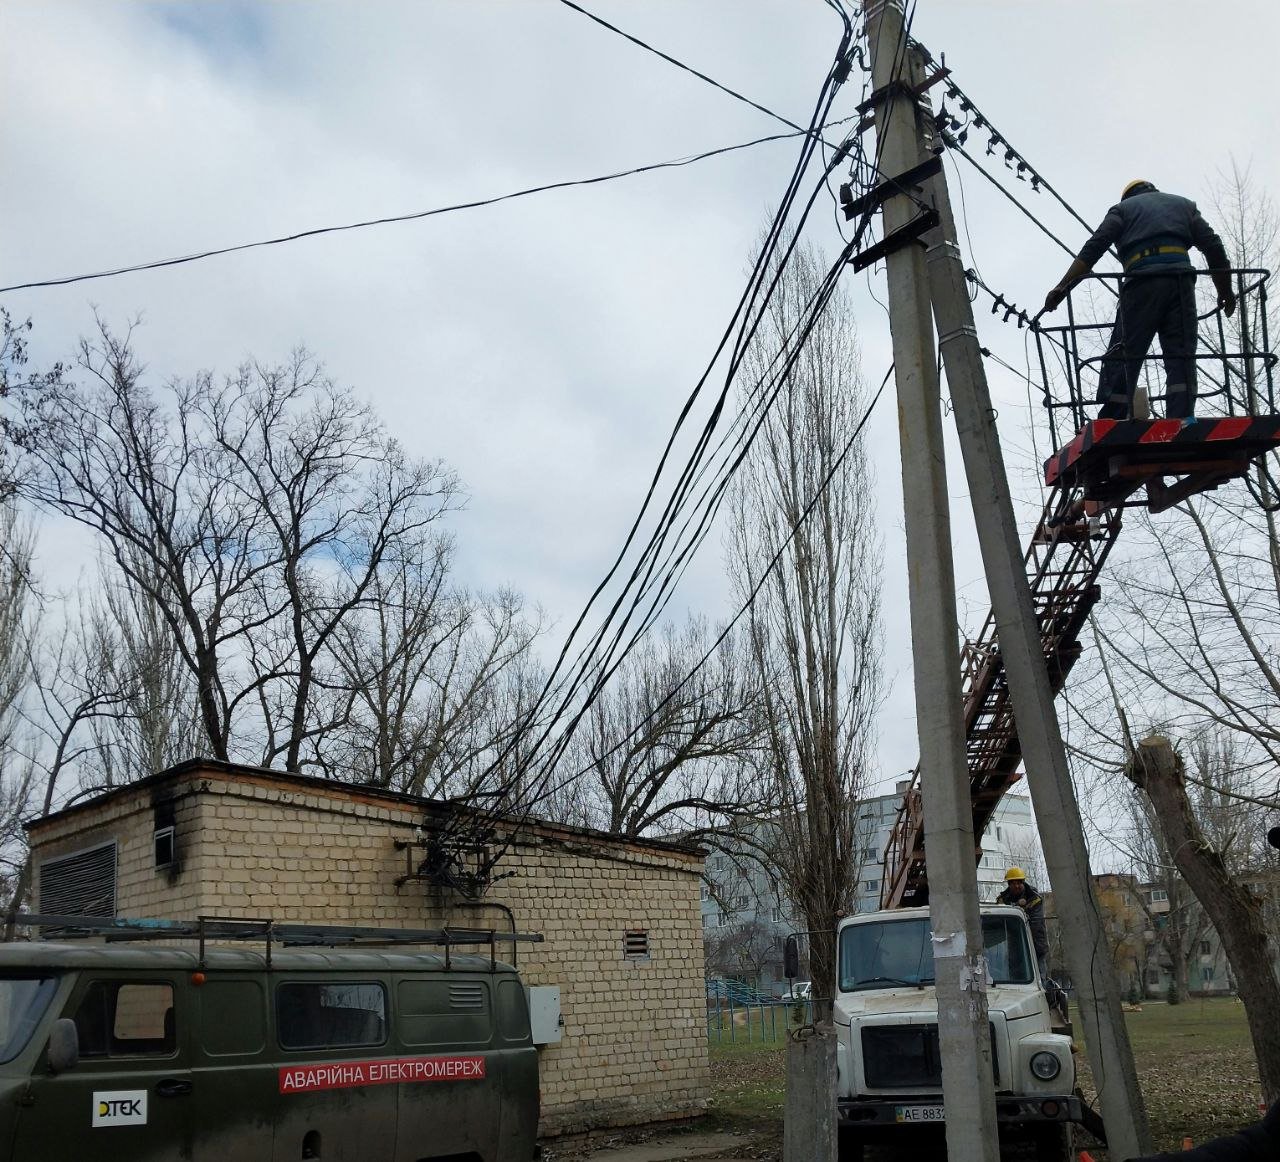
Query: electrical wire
{"points": [[589, 657], [409, 217], [600, 20], [556, 687], [765, 573], [686, 552], [683, 555], [960, 149]]}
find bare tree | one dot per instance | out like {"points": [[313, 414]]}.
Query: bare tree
{"points": [[253, 515], [1178, 921], [743, 949], [1236, 912], [17, 772], [660, 750], [431, 671], [21, 391], [159, 722], [813, 631]]}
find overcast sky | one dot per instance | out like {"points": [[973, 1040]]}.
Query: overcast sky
{"points": [[544, 346]]}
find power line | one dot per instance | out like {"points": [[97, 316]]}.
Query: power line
{"points": [[565, 690], [409, 217], [589, 659], [953, 143], [765, 573], [600, 20]]}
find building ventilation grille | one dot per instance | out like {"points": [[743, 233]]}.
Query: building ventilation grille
{"points": [[81, 884], [466, 997], [635, 944]]}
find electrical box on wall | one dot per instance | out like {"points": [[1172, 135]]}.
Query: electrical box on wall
{"points": [[545, 1021]]}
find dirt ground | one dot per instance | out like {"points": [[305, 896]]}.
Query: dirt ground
{"points": [[1194, 1061]]}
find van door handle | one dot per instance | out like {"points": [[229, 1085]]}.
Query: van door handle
{"points": [[172, 1087]]}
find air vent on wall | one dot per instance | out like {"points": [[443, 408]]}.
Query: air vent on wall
{"points": [[80, 884]]}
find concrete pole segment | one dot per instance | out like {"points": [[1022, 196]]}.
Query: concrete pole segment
{"points": [[959, 964], [1044, 757]]}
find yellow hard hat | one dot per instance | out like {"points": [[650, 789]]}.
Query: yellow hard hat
{"points": [[1014, 873], [1132, 187]]}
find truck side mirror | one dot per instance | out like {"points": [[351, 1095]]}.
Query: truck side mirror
{"points": [[791, 958], [64, 1045]]}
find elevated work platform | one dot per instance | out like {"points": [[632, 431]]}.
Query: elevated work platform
{"points": [[1098, 470], [1110, 459]]}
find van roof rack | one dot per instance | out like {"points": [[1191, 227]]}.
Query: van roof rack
{"points": [[287, 935]]}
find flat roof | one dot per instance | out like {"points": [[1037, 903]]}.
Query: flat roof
{"points": [[351, 792]]}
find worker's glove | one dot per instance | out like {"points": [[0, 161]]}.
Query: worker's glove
{"points": [[1053, 300], [1227, 303]]}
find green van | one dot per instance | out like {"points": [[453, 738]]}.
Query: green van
{"points": [[122, 1052]]}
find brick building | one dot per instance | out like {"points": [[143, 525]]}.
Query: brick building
{"points": [[620, 918]]}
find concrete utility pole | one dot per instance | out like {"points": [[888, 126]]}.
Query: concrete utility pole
{"points": [[1043, 753], [959, 963]]}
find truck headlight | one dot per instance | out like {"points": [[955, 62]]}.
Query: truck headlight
{"points": [[1045, 1066]]}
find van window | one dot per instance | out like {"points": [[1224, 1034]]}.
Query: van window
{"points": [[23, 1000], [444, 1012], [118, 1018], [232, 1018], [513, 1011], [330, 1016]]}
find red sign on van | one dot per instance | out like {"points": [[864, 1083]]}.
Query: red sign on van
{"points": [[385, 1071]]}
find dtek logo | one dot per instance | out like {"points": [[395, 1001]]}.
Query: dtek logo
{"points": [[120, 1107]]}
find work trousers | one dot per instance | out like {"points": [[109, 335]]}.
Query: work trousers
{"points": [[1152, 304]]}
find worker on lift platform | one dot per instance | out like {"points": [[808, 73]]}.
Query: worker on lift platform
{"points": [[1152, 232]]}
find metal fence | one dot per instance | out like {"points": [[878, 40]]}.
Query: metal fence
{"points": [[732, 1022]]}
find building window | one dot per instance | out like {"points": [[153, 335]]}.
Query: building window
{"points": [[868, 853], [999, 832], [80, 884], [777, 913], [870, 886], [163, 846], [1204, 948], [721, 920], [706, 892], [740, 902], [1159, 896], [1153, 977], [635, 944]]}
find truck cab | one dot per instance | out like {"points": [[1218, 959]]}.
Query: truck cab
{"points": [[886, 1017]]}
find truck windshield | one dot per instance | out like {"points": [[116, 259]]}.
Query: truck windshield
{"points": [[23, 1000], [884, 953]]}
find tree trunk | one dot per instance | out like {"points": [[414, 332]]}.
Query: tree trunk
{"points": [[1235, 913]]}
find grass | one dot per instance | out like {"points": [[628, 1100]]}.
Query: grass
{"points": [[1194, 1060], [1195, 1063]]}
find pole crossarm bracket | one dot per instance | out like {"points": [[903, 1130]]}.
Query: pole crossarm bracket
{"points": [[894, 241], [875, 197], [901, 88]]}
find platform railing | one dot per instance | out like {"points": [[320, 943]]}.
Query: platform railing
{"points": [[1234, 362]]}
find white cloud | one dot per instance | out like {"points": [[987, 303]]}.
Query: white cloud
{"points": [[544, 347]]}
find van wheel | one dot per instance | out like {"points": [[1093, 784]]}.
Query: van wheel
{"points": [[850, 1145]]}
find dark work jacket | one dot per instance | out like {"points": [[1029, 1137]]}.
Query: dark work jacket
{"points": [[1260, 1143], [1155, 218], [1031, 903]]}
